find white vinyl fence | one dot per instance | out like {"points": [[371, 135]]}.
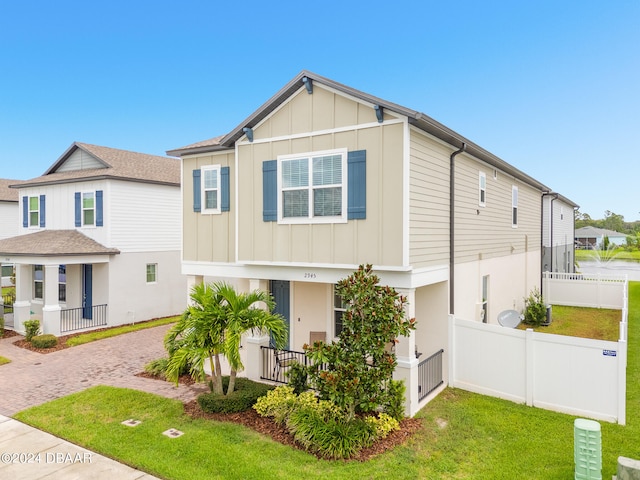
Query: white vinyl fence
{"points": [[573, 375]]}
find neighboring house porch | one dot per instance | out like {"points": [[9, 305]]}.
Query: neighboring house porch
{"points": [[62, 279]]}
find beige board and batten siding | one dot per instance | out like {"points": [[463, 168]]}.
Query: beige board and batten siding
{"points": [[428, 201], [208, 237], [306, 123], [483, 232]]}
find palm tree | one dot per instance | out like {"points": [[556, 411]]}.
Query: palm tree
{"points": [[213, 325]]}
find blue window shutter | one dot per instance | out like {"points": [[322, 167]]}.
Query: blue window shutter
{"points": [[43, 212], [99, 215], [270, 190], [196, 191], [224, 190], [25, 212], [357, 187], [78, 207]]}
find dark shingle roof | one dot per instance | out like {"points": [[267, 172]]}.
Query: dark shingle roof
{"points": [[53, 242], [119, 164], [415, 118], [8, 194]]}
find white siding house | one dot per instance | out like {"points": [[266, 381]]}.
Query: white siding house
{"points": [[98, 241], [558, 227], [8, 221]]}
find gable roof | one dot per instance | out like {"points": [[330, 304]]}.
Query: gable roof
{"points": [[589, 232], [53, 242], [118, 164], [8, 194], [418, 119]]}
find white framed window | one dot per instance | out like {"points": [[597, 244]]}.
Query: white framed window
{"points": [[88, 209], [34, 211], [312, 187], [211, 189], [62, 283], [152, 272], [38, 282], [514, 206], [339, 308], [482, 189]]}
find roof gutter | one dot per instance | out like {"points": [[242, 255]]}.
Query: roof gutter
{"points": [[452, 197]]}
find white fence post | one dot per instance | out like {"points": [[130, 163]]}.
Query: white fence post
{"points": [[530, 366], [622, 382]]}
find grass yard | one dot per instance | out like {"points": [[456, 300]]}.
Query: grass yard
{"points": [[620, 254], [4, 360], [597, 323], [112, 332], [465, 436]]}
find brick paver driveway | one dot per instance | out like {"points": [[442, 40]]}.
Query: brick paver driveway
{"points": [[34, 378]]}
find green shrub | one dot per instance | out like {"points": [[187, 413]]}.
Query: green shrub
{"points": [[331, 438], [44, 341], [157, 368], [382, 424], [535, 310], [32, 328], [297, 375], [281, 402], [393, 399], [244, 396]]}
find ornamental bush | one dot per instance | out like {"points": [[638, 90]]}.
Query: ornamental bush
{"points": [[244, 396], [44, 341], [535, 310], [382, 424], [32, 328]]}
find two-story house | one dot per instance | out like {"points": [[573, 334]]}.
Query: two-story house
{"points": [[558, 234], [8, 221], [323, 177], [98, 241]]}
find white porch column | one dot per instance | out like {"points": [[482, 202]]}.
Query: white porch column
{"points": [[407, 369], [192, 281], [51, 308], [254, 341], [22, 307]]}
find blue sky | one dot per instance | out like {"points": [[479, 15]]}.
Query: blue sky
{"points": [[551, 87]]}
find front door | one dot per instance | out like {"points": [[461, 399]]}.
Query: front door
{"points": [[87, 301], [280, 291]]}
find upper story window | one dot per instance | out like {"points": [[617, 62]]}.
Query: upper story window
{"points": [[211, 189], [89, 209], [33, 211], [312, 187], [482, 189], [514, 206]]}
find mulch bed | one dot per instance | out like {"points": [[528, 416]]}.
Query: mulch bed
{"points": [[182, 380], [8, 334], [267, 426]]}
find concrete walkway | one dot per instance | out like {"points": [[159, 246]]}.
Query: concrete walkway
{"points": [[34, 378]]}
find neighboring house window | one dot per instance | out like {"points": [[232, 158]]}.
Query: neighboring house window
{"points": [[485, 299], [152, 272], [62, 283], [38, 282], [89, 209], [211, 189], [311, 187], [339, 307], [33, 211], [514, 206], [482, 189]]}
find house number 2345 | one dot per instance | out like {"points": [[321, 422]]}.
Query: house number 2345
{"points": [[309, 275]]}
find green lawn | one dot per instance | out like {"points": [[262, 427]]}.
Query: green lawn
{"points": [[465, 436], [112, 332], [620, 254], [4, 360], [597, 323]]}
